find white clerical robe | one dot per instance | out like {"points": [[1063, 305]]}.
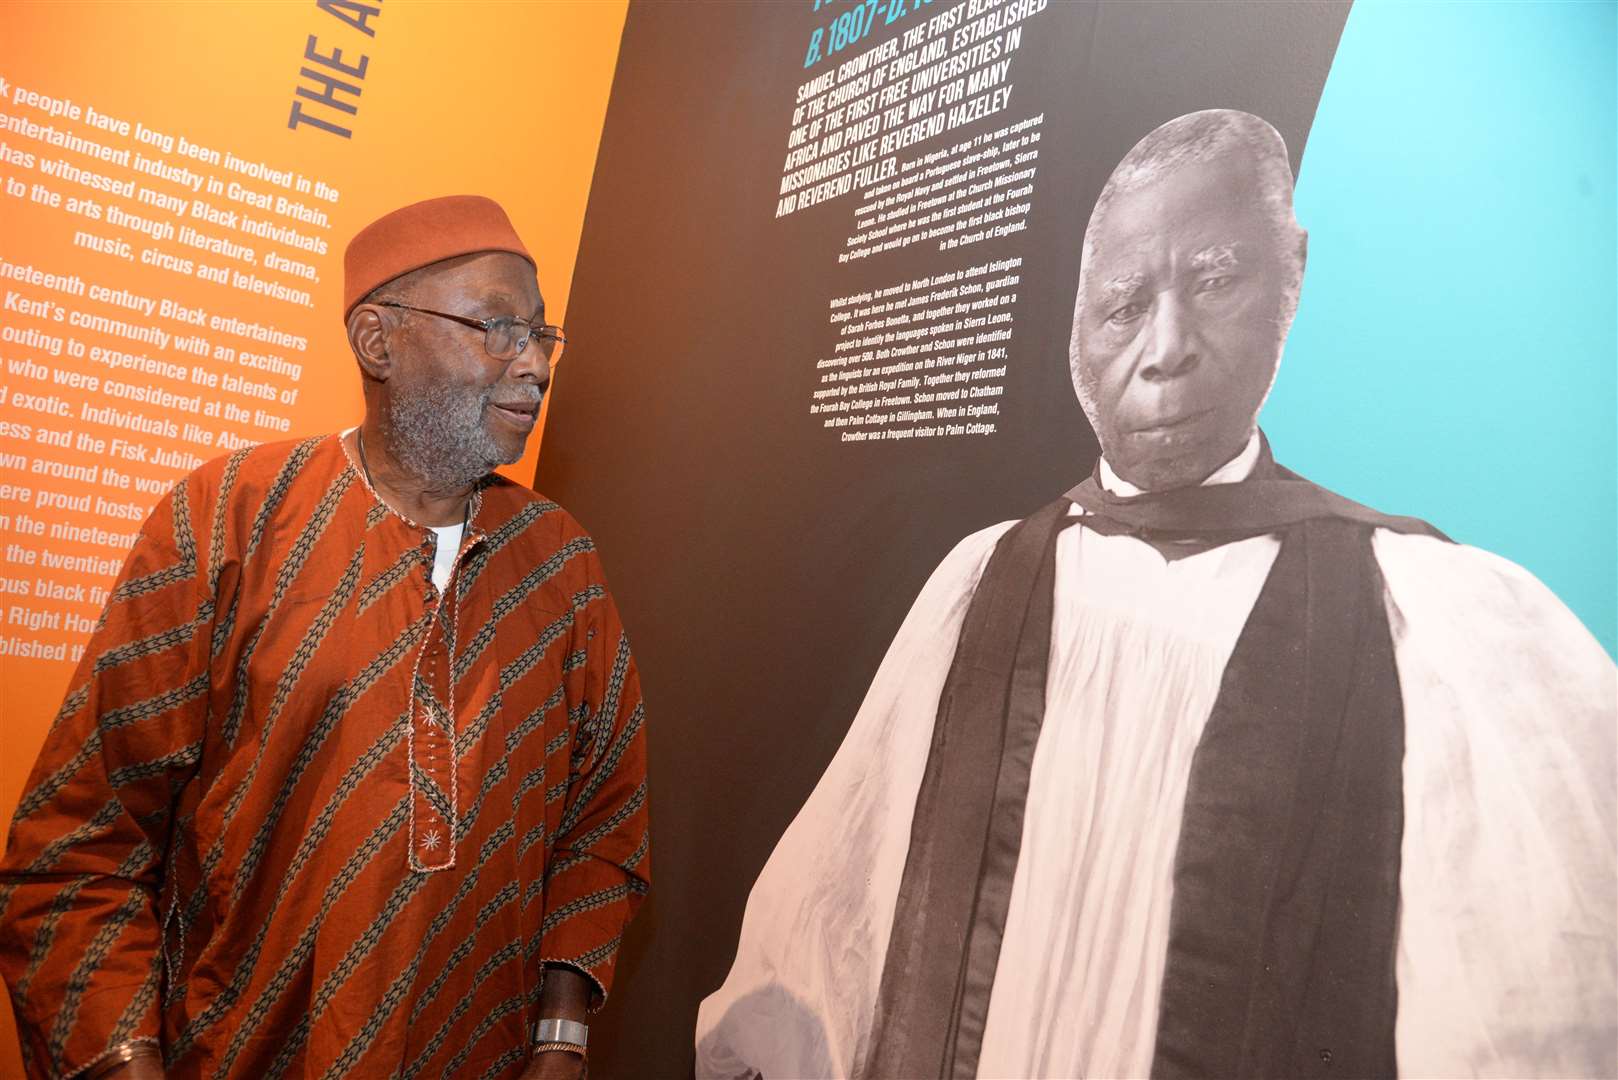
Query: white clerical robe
{"points": [[1507, 958]]}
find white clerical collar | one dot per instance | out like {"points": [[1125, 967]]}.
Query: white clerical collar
{"points": [[1234, 471]]}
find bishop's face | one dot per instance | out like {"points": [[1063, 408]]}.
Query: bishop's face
{"points": [[1180, 327]]}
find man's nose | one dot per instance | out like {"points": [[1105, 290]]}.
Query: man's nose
{"points": [[531, 365], [1172, 348]]}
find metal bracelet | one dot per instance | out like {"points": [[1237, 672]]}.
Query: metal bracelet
{"points": [[566, 1047], [119, 1056], [554, 1030]]}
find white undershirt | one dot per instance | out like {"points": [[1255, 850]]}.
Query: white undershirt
{"points": [[449, 544]]}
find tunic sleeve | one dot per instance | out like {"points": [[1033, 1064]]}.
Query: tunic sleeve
{"points": [[80, 938], [599, 867], [1507, 959]]}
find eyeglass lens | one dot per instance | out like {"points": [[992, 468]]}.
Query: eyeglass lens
{"points": [[507, 337]]}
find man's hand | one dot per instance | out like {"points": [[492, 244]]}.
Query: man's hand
{"points": [[555, 1065]]}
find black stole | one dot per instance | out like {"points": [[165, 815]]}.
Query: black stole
{"points": [[1286, 878]]}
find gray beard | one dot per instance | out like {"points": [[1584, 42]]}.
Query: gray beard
{"points": [[437, 434]]}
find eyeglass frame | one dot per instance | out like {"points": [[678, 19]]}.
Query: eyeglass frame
{"points": [[488, 324]]}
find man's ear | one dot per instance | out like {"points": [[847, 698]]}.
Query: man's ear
{"points": [[368, 337]]}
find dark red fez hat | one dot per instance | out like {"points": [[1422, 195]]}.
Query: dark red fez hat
{"points": [[421, 234]]}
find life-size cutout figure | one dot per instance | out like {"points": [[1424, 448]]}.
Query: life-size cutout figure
{"points": [[351, 780], [1201, 770]]}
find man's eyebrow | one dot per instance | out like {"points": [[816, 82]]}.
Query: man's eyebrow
{"points": [[1216, 257], [1121, 286]]}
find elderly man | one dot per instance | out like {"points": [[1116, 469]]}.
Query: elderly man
{"points": [[351, 781], [1201, 770]]}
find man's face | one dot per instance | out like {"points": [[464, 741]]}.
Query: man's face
{"points": [[454, 411], [1180, 325]]}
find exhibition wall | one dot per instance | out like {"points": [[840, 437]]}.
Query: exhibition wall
{"points": [[179, 181], [823, 304]]}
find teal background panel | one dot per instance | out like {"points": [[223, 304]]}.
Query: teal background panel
{"points": [[1454, 354]]}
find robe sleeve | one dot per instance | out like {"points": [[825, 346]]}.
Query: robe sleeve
{"points": [[801, 994], [80, 936], [600, 866], [1507, 959]]}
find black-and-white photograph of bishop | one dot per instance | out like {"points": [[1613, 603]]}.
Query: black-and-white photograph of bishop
{"points": [[1201, 770]]}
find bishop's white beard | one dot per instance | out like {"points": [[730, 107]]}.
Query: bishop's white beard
{"points": [[437, 433]]}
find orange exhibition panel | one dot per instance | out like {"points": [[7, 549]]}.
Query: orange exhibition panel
{"points": [[177, 184]]}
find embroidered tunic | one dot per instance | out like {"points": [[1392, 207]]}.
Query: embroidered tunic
{"points": [[304, 814]]}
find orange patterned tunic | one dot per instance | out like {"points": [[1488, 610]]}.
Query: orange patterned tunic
{"points": [[302, 814]]}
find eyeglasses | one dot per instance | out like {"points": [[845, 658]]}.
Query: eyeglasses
{"points": [[505, 336]]}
